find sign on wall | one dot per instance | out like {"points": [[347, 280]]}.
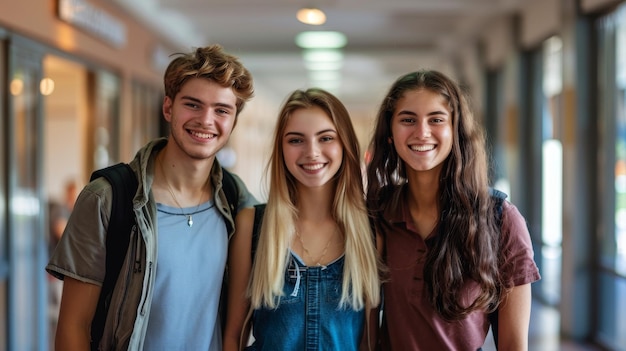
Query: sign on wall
{"points": [[93, 20]]}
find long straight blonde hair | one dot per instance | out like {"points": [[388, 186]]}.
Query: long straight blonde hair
{"points": [[360, 285]]}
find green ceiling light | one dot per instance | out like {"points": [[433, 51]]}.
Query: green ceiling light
{"points": [[321, 40], [322, 55]]}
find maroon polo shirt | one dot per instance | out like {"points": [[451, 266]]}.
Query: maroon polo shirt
{"points": [[410, 322]]}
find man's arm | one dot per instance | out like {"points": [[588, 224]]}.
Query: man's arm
{"points": [[78, 306], [239, 267]]}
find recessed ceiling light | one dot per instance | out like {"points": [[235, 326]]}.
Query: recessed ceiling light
{"points": [[323, 55], [310, 15], [321, 40]]}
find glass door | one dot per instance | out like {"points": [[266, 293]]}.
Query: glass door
{"points": [[611, 233], [27, 290], [552, 170], [4, 256]]}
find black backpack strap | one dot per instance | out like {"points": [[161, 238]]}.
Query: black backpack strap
{"points": [[124, 186], [231, 190], [259, 211], [499, 198]]}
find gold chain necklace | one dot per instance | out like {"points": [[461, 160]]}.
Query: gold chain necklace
{"points": [[308, 253], [188, 215]]}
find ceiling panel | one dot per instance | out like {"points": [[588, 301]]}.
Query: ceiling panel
{"points": [[384, 38]]}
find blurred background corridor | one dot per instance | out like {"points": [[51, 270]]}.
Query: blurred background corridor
{"points": [[81, 89]]}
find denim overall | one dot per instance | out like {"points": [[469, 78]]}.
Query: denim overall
{"points": [[308, 317]]}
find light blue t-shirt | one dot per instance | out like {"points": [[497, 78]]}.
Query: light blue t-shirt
{"points": [[189, 273]]}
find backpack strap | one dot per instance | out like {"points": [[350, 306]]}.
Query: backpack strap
{"points": [[124, 186], [499, 198], [231, 190], [259, 211]]}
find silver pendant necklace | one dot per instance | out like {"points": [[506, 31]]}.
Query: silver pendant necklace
{"points": [[189, 220], [169, 188]]}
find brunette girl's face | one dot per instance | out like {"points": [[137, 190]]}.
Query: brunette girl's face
{"points": [[421, 127], [312, 150]]}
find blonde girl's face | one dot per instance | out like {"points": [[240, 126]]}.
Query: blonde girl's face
{"points": [[422, 130], [311, 147]]}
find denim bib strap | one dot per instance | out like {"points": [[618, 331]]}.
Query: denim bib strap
{"points": [[297, 270], [308, 316]]}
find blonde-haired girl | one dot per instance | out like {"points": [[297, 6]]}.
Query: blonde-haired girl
{"points": [[315, 270]]}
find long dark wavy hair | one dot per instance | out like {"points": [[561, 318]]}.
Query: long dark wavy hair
{"points": [[466, 246]]}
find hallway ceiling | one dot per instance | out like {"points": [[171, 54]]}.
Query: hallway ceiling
{"points": [[384, 38]]}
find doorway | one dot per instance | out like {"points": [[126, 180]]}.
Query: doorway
{"points": [[64, 88]]}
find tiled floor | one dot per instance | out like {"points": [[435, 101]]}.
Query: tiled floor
{"points": [[544, 333]]}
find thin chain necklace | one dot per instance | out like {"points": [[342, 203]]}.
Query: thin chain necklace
{"points": [[308, 253], [188, 215]]}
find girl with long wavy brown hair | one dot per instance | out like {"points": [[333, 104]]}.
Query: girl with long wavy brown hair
{"points": [[455, 253]]}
